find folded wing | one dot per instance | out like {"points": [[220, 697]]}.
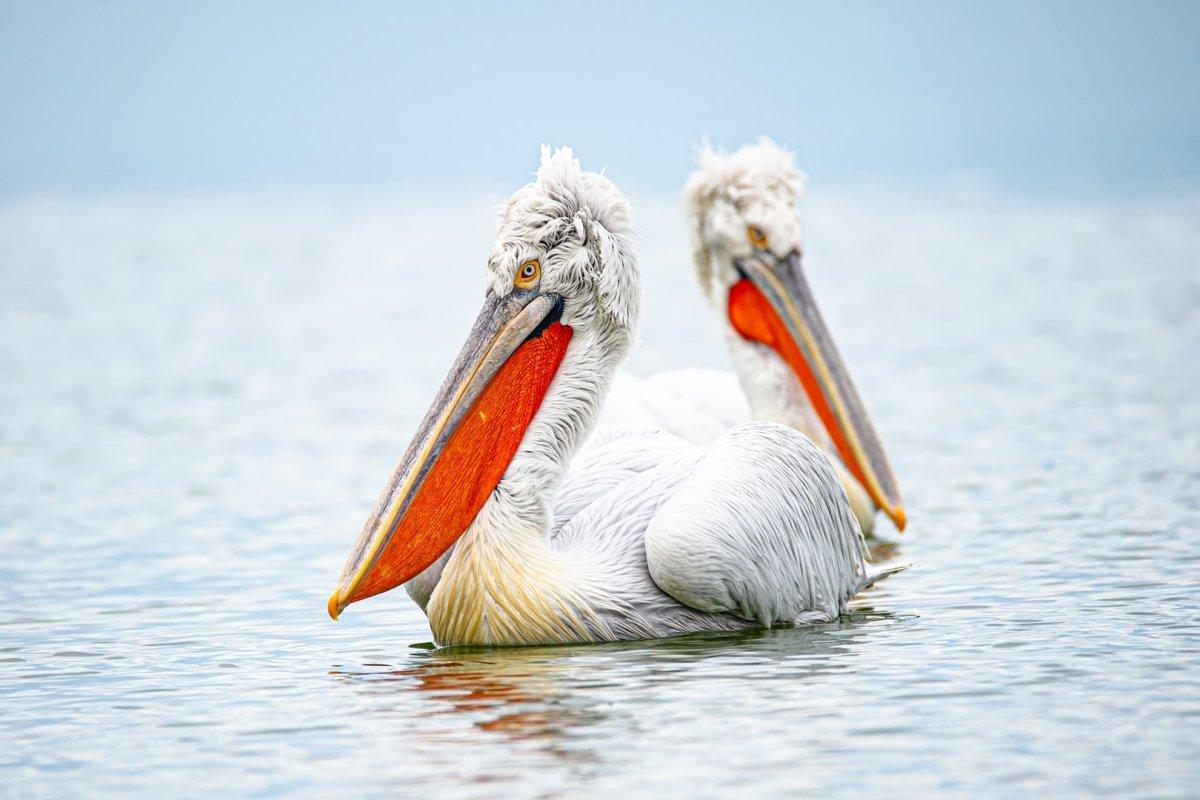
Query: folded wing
{"points": [[760, 529]]}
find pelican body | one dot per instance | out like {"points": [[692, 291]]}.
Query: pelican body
{"points": [[746, 250], [508, 530]]}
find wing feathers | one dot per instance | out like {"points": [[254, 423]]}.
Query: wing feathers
{"points": [[761, 528]]}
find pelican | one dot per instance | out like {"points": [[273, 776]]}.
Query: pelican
{"points": [[503, 535], [746, 250]]}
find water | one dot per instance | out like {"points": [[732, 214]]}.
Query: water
{"points": [[202, 395]]}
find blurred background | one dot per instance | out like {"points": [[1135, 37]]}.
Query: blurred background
{"points": [[240, 244], [1053, 96]]}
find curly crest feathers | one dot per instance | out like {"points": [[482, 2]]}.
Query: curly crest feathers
{"points": [[758, 185], [763, 167], [581, 227]]}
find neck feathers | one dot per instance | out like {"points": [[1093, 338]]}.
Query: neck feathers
{"points": [[772, 389], [504, 584]]}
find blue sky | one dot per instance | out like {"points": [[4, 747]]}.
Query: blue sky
{"points": [[1055, 96]]}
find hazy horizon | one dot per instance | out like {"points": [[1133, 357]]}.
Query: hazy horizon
{"points": [[1058, 98]]}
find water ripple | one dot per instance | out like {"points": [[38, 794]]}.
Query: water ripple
{"points": [[191, 432]]}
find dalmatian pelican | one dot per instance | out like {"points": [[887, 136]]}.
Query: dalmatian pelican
{"points": [[504, 535], [746, 250]]}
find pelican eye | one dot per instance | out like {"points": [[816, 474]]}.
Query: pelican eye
{"points": [[528, 273], [758, 237]]}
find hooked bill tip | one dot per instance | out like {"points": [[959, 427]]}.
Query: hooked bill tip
{"points": [[333, 608]]}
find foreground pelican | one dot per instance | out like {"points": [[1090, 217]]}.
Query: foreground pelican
{"points": [[646, 535], [746, 248]]}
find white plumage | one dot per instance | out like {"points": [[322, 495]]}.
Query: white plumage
{"points": [[758, 186], [640, 533]]}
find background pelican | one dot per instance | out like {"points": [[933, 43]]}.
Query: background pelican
{"points": [[746, 248], [646, 535]]}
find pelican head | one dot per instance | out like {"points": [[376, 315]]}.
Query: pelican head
{"points": [[558, 315], [747, 250]]}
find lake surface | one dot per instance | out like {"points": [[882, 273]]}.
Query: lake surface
{"points": [[201, 396]]}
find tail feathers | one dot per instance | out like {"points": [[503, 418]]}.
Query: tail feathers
{"points": [[876, 573]]}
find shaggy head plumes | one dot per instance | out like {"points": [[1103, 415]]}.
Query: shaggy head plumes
{"points": [[579, 226], [728, 196]]}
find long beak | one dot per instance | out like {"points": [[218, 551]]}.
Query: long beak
{"points": [[772, 304], [462, 447]]}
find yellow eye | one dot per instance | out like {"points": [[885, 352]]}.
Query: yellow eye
{"points": [[758, 237], [528, 274]]}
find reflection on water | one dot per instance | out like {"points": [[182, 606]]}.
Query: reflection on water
{"points": [[566, 705], [201, 396], [526, 693]]}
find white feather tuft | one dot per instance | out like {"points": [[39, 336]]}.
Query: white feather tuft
{"points": [[757, 185], [763, 166], [581, 228]]}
